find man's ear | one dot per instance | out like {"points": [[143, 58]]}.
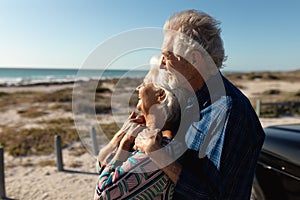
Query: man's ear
{"points": [[196, 58], [161, 95]]}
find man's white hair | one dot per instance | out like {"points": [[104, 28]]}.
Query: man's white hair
{"points": [[197, 31]]}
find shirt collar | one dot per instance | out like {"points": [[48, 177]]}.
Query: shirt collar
{"points": [[212, 90]]}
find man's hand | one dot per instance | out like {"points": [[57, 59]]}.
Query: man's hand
{"points": [[128, 139], [148, 141], [153, 143]]}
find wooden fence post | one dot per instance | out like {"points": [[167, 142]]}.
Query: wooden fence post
{"points": [[59, 159], [2, 178], [94, 141], [258, 104]]}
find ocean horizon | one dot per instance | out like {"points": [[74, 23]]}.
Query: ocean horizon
{"points": [[28, 76], [15, 76]]}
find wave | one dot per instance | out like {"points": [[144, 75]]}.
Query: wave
{"points": [[47, 80], [35, 81]]}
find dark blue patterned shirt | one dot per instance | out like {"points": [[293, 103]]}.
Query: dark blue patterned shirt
{"points": [[226, 169]]}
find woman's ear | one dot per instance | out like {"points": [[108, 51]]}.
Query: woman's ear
{"points": [[161, 95]]}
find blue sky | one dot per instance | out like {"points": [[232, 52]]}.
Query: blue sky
{"points": [[258, 35]]}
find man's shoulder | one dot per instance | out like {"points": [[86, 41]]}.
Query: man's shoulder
{"points": [[238, 99], [241, 110], [243, 119], [232, 90]]}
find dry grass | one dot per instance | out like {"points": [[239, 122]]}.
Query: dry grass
{"points": [[291, 76], [45, 163], [134, 99], [40, 141], [17, 98], [32, 112], [66, 122], [102, 90], [35, 141], [77, 151], [271, 92], [76, 164], [64, 95], [3, 94], [109, 129], [273, 95], [63, 106], [276, 103]]}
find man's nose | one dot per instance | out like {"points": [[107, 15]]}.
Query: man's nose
{"points": [[162, 64]]}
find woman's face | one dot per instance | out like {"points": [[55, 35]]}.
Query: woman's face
{"points": [[147, 97]]}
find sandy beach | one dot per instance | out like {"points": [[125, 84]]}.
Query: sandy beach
{"points": [[35, 175]]}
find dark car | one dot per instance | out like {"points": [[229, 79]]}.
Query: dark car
{"points": [[278, 168]]}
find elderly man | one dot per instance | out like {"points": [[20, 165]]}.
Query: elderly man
{"points": [[224, 137]]}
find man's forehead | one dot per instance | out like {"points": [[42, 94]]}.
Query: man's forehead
{"points": [[175, 41], [168, 41]]}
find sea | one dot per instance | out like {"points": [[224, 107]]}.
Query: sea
{"points": [[32, 76]]}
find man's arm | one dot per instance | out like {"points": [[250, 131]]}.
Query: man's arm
{"points": [[152, 144], [172, 170], [195, 179], [190, 179]]}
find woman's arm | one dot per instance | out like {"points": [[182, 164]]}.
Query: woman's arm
{"points": [[110, 147], [131, 126], [125, 143], [114, 172]]}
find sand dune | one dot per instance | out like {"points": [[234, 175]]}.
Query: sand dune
{"points": [[27, 178]]}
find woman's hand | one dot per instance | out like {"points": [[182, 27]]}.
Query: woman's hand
{"points": [[127, 142], [131, 123], [128, 128], [140, 119], [115, 141]]}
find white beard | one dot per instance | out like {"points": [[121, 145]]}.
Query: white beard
{"points": [[176, 80], [173, 82]]}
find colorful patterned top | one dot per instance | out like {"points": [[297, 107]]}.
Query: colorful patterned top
{"points": [[136, 178]]}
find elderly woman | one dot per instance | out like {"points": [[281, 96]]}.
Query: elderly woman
{"points": [[131, 174]]}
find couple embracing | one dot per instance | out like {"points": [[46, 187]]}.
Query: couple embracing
{"points": [[197, 136]]}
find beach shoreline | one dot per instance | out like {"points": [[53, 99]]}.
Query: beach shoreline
{"points": [[36, 176]]}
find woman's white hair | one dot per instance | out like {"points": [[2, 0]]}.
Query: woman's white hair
{"points": [[174, 99]]}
